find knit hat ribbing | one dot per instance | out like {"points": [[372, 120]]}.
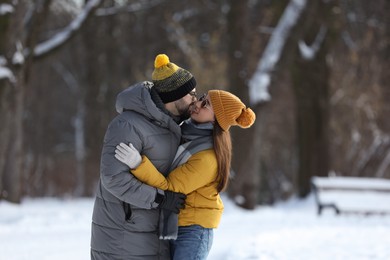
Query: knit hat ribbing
{"points": [[170, 81], [229, 110]]}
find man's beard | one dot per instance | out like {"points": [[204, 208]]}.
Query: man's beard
{"points": [[184, 112], [184, 115]]}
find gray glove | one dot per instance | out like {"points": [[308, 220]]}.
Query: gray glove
{"points": [[128, 155]]}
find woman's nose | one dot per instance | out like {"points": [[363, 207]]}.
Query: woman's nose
{"points": [[194, 106]]}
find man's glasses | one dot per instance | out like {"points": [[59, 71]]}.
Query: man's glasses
{"points": [[193, 94], [205, 102]]}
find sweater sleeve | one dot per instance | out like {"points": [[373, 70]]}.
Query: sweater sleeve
{"points": [[200, 170]]}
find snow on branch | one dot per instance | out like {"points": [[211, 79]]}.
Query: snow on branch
{"points": [[309, 52], [18, 57], [61, 37], [258, 84], [134, 7], [6, 9], [5, 73]]}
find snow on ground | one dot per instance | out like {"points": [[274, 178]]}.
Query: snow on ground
{"points": [[57, 229]]}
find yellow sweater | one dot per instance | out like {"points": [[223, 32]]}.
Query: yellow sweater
{"points": [[196, 179]]}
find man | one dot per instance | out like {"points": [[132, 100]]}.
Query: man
{"points": [[126, 213]]}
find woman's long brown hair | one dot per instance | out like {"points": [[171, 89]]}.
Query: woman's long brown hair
{"points": [[223, 151]]}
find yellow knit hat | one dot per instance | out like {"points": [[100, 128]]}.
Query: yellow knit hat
{"points": [[170, 81], [229, 110]]}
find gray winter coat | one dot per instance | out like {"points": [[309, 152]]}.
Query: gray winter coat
{"points": [[154, 134]]}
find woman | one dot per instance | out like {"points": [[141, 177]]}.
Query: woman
{"points": [[200, 169]]}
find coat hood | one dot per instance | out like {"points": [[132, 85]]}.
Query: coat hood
{"points": [[137, 98]]}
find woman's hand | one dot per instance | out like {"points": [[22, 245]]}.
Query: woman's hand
{"points": [[128, 155]]}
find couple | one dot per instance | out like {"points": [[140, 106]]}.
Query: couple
{"points": [[133, 210]]}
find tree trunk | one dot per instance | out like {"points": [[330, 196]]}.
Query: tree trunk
{"points": [[311, 87], [14, 163], [13, 155], [5, 90], [245, 174], [91, 97], [11, 114]]}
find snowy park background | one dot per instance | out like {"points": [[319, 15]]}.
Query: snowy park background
{"points": [[309, 65], [60, 229]]}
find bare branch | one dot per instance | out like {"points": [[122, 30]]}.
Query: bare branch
{"points": [[134, 7], [380, 139], [309, 52], [258, 84], [383, 166], [66, 34], [348, 40]]}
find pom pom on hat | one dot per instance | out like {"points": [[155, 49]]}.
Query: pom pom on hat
{"points": [[161, 60], [229, 110], [247, 118], [170, 81]]}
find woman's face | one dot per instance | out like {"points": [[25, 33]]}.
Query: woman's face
{"points": [[202, 111]]}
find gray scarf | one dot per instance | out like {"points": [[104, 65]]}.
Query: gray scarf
{"points": [[196, 138]]}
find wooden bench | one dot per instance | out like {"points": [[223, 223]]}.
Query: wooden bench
{"points": [[352, 194]]}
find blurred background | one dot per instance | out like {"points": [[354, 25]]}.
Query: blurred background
{"points": [[323, 109]]}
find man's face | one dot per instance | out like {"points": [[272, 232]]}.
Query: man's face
{"points": [[183, 105]]}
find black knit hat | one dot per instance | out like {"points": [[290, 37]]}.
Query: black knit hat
{"points": [[170, 81]]}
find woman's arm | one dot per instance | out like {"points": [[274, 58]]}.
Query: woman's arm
{"points": [[200, 170]]}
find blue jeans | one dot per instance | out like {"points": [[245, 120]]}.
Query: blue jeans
{"points": [[192, 243]]}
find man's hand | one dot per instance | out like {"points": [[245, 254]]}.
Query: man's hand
{"points": [[128, 155], [173, 201]]}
